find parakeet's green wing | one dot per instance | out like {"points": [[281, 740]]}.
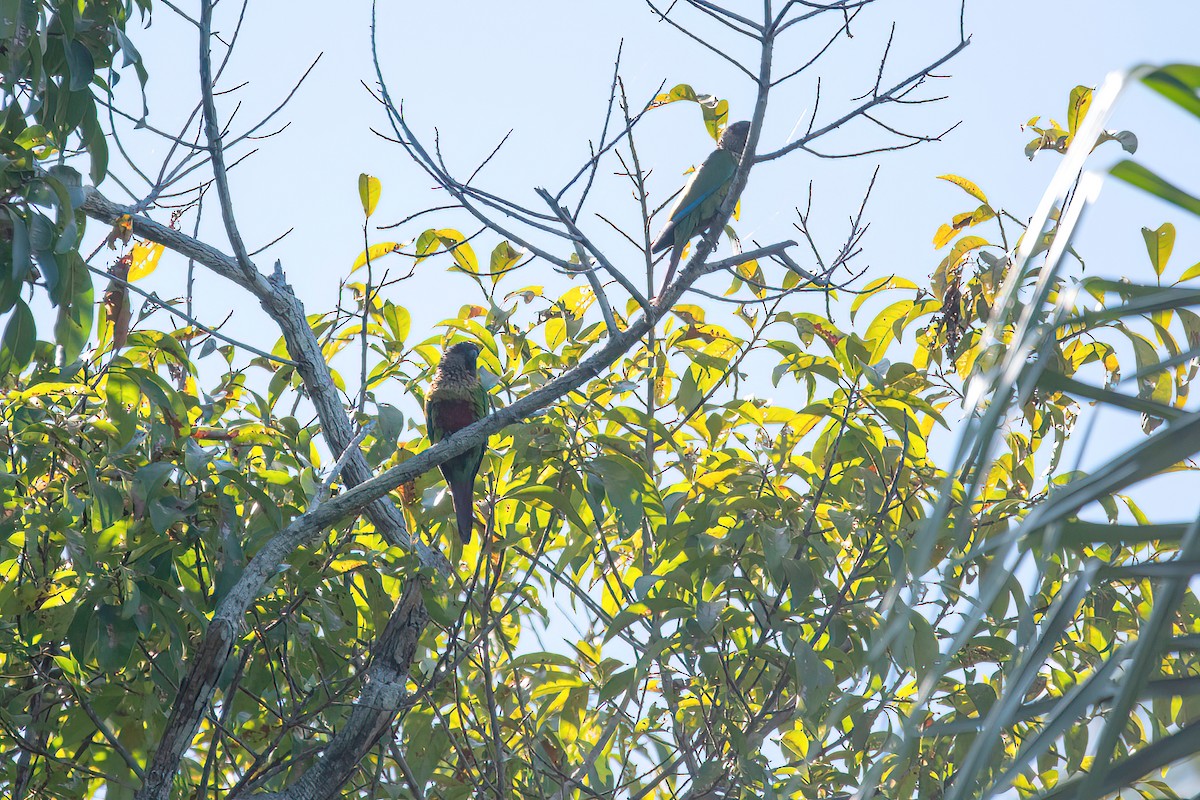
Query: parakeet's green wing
{"points": [[432, 430], [699, 201], [482, 403], [451, 410]]}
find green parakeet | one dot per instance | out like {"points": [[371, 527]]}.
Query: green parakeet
{"points": [[697, 205], [455, 400]]}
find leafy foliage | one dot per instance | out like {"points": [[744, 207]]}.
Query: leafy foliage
{"points": [[1074, 645], [728, 556], [769, 598], [57, 55]]}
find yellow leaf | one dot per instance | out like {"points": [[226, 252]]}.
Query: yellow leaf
{"points": [[1081, 98], [348, 564], [714, 110], [944, 236], [962, 248], [966, 186], [796, 742], [374, 252], [368, 191], [63, 389], [1189, 273], [503, 257], [145, 259], [689, 313], [464, 255], [253, 433], [878, 285]]}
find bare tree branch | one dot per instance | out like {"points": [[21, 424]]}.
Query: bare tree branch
{"points": [[751, 255], [875, 100], [664, 16], [585, 243], [581, 251]]}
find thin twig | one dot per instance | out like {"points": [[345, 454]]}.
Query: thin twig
{"points": [[188, 318]]}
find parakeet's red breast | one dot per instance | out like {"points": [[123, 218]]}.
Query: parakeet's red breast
{"points": [[697, 205], [455, 400]]}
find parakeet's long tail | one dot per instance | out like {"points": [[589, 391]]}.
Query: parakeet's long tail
{"points": [[463, 494], [666, 238], [672, 265]]}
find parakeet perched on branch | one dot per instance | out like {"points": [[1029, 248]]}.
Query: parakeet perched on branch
{"points": [[455, 400], [697, 205]]}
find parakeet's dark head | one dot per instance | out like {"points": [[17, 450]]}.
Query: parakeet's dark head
{"points": [[460, 357], [733, 138]]}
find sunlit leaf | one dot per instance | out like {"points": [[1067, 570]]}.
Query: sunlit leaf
{"points": [[966, 185], [369, 188], [1159, 244], [459, 249], [375, 251], [715, 111], [145, 259], [503, 257], [1077, 107]]}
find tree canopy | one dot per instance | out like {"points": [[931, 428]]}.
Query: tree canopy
{"points": [[885, 579]]}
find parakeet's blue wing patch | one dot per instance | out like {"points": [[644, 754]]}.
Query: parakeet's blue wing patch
{"points": [[716, 171], [692, 206]]}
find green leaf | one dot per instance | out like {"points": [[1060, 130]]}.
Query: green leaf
{"points": [[32, 137], [1146, 180], [1127, 140], [80, 64], [1155, 454], [97, 147], [1081, 534], [22, 260], [122, 397], [20, 334], [76, 309], [551, 498], [398, 320], [1149, 759], [1159, 244], [623, 482], [1057, 382], [368, 191], [1179, 83], [390, 421]]}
